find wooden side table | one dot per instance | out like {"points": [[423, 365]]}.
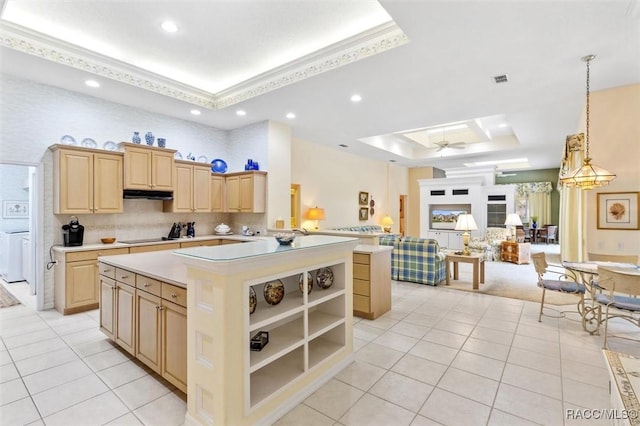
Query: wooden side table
{"points": [[511, 251], [477, 260], [371, 280]]}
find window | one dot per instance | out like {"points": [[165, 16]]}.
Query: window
{"points": [[496, 215]]}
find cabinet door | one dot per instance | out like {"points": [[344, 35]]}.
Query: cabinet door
{"points": [[174, 344], [148, 329], [233, 193], [107, 306], [81, 284], [218, 195], [125, 317], [75, 182], [246, 193], [108, 183], [201, 189], [162, 171], [137, 168], [183, 194]]}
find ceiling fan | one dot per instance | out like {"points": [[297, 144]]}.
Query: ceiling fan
{"points": [[444, 143]]}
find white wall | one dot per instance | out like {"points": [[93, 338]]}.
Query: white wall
{"points": [[332, 178]]}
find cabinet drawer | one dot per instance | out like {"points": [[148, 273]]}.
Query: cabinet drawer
{"points": [[361, 287], [174, 294], [200, 243], [361, 258], [223, 242], [360, 303], [361, 272], [107, 270], [149, 285], [76, 256], [155, 247], [127, 277]]}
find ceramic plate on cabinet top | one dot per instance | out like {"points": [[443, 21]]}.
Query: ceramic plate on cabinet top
{"points": [[203, 159], [110, 146], [88, 143], [218, 166], [68, 140], [177, 155]]}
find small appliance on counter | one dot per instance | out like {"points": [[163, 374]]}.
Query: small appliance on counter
{"points": [[191, 231], [247, 231], [72, 233]]}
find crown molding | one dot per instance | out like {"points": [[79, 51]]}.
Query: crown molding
{"points": [[368, 43]]}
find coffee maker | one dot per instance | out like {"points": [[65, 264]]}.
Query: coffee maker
{"points": [[72, 233]]}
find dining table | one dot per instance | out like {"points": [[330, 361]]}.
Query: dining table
{"points": [[587, 273]]}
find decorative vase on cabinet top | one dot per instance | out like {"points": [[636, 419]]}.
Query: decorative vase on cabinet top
{"points": [[136, 137], [149, 138]]}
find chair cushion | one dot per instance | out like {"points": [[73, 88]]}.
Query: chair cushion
{"points": [[619, 302], [563, 286]]}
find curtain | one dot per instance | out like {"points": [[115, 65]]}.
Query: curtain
{"points": [[572, 202], [540, 206], [534, 199]]}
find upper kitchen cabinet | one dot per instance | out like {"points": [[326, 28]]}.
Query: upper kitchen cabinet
{"points": [[86, 180], [218, 193], [246, 191], [148, 167], [192, 192]]}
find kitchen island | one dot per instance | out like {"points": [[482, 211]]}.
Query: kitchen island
{"points": [[309, 334]]}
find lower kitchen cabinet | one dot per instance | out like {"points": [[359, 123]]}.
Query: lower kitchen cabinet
{"points": [[372, 282], [76, 284], [148, 319]]}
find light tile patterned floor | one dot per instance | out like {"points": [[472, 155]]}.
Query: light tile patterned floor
{"points": [[439, 357]]}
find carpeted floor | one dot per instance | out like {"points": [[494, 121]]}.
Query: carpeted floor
{"points": [[506, 279], [6, 298]]}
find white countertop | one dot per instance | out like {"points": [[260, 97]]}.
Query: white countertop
{"points": [[117, 244], [161, 265], [366, 248]]}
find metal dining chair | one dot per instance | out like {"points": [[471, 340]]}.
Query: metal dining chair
{"points": [[564, 282], [620, 301]]}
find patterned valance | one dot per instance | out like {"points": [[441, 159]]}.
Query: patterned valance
{"points": [[524, 189]]}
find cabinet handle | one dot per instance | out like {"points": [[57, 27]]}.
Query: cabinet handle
{"points": [[173, 295], [124, 277], [106, 270], [160, 308], [145, 285]]}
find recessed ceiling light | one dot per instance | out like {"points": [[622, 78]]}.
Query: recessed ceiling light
{"points": [[92, 83], [343, 145], [503, 125], [291, 116], [356, 98], [195, 112], [169, 27], [241, 112]]}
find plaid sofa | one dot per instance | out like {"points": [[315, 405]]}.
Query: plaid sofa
{"points": [[417, 260], [362, 228]]}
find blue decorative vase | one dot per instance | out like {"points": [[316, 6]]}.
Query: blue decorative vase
{"points": [[162, 142], [149, 138], [136, 137]]}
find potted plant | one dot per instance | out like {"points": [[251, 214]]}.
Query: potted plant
{"points": [[534, 220]]}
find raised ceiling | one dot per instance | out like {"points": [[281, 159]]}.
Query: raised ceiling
{"points": [[419, 67]]}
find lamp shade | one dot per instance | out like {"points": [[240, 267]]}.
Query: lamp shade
{"points": [[316, 213], [387, 221], [513, 219], [466, 223]]}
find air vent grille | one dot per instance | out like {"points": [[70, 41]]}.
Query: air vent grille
{"points": [[501, 78]]}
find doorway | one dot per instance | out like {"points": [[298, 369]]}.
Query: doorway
{"points": [[401, 214], [295, 206], [21, 223]]}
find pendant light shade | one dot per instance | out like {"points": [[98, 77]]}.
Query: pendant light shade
{"points": [[587, 176]]}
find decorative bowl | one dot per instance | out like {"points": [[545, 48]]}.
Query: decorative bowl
{"points": [[108, 240], [285, 239], [222, 229]]}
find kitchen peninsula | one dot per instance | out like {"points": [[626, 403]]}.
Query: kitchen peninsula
{"points": [[309, 333]]}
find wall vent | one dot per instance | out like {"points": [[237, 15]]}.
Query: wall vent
{"points": [[497, 198], [460, 192], [501, 78], [437, 192]]}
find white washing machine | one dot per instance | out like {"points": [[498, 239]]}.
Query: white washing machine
{"points": [[11, 255]]}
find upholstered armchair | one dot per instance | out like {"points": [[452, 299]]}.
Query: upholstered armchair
{"points": [[489, 245]]}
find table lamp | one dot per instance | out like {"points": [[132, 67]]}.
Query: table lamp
{"points": [[466, 223], [513, 219], [386, 223], [316, 213]]}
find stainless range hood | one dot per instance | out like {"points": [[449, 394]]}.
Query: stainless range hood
{"points": [[147, 195]]}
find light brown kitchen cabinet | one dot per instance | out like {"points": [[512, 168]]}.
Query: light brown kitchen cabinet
{"points": [[154, 247], [371, 283], [246, 192], [107, 305], [218, 193], [87, 181], [148, 168], [125, 315], [148, 330], [200, 243], [76, 284], [192, 192], [174, 344]]}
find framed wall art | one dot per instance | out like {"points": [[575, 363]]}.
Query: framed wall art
{"points": [[15, 209], [618, 210], [363, 198], [364, 213]]}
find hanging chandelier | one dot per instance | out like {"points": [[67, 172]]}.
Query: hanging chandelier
{"points": [[587, 176]]}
